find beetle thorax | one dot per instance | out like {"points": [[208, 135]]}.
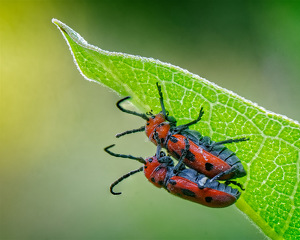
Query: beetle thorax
{"points": [[159, 125], [153, 122]]}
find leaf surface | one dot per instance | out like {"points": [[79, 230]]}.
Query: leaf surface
{"points": [[271, 157]]}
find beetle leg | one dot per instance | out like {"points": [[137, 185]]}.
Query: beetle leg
{"points": [[158, 150], [230, 141], [161, 99], [213, 144], [185, 126], [206, 141], [221, 174], [180, 163], [235, 183], [156, 138]]}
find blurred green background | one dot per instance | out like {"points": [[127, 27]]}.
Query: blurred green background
{"points": [[54, 124]]}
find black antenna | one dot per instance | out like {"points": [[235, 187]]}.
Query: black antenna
{"points": [[161, 99], [142, 115], [140, 159], [122, 178], [141, 129]]}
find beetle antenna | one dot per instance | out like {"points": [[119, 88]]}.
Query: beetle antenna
{"points": [[141, 129], [142, 115], [121, 179], [139, 159]]}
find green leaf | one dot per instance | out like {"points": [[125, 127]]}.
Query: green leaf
{"points": [[271, 157]]}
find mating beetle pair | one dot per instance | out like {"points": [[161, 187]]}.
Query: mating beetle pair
{"points": [[209, 158]]}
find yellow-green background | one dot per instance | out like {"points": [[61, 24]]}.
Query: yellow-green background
{"points": [[54, 124]]}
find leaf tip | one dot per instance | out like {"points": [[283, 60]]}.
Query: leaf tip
{"points": [[65, 29], [58, 23]]}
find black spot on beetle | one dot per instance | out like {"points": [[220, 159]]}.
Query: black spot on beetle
{"points": [[148, 123], [209, 166], [172, 182], [208, 199], [153, 180], [188, 192], [150, 160], [173, 139], [162, 140], [190, 156], [145, 167], [160, 183], [152, 117]]}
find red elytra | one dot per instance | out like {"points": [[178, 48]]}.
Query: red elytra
{"points": [[189, 190], [202, 161]]}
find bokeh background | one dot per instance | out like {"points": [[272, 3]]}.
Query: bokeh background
{"points": [[54, 124]]}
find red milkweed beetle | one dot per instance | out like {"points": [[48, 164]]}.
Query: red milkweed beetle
{"points": [[205, 156], [186, 183]]}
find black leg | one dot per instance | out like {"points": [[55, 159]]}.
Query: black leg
{"points": [[161, 99], [180, 163], [235, 183], [185, 126], [158, 150], [230, 141], [161, 156], [206, 141], [156, 138], [232, 169]]}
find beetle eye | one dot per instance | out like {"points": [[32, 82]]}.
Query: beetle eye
{"points": [[162, 154]]}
